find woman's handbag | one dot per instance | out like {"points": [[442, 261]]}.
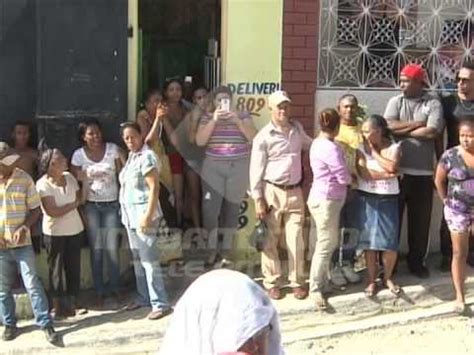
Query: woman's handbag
{"points": [[169, 242]]}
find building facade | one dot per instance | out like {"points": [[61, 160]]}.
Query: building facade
{"points": [[63, 60]]}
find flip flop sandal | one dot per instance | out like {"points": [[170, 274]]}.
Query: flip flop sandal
{"points": [[460, 309], [370, 291], [395, 289]]}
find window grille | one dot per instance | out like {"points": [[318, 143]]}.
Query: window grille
{"points": [[365, 43]]}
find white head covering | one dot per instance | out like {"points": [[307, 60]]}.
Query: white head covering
{"points": [[219, 312]]}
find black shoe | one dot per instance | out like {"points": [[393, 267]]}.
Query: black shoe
{"points": [[421, 271], [9, 333], [51, 335], [445, 265]]}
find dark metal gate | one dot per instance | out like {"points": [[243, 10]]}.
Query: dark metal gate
{"points": [[17, 63], [81, 67]]}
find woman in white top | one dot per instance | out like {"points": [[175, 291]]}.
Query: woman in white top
{"points": [[377, 165], [98, 164], [62, 229]]}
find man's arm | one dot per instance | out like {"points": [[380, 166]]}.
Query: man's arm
{"points": [[392, 116], [434, 124], [32, 217], [24, 230], [306, 140], [424, 133], [403, 128], [258, 161]]}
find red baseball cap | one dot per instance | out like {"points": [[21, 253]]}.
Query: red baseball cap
{"points": [[414, 71]]}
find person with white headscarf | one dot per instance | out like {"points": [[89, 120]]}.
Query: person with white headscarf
{"points": [[223, 312]]}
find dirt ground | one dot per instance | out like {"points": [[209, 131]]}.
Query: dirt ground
{"points": [[123, 333], [114, 331], [454, 335]]}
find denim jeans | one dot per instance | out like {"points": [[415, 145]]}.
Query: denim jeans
{"points": [[24, 258], [103, 235], [148, 275]]}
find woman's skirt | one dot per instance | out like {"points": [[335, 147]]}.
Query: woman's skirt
{"points": [[378, 218]]}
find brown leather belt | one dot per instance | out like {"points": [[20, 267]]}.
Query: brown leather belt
{"points": [[284, 187]]}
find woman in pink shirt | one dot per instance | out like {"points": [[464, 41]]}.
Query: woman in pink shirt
{"points": [[331, 179]]}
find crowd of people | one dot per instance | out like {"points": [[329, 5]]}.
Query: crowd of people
{"points": [[187, 162]]}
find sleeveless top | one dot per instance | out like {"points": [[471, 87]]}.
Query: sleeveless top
{"points": [[382, 186]]}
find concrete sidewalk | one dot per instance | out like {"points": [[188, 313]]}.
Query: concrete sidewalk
{"points": [[354, 312], [130, 332]]}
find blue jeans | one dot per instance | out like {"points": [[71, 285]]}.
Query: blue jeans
{"points": [[24, 258], [148, 275], [103, 235]]}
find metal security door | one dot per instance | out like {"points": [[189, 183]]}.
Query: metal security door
{"points": [[17, 63], [81, 66]]}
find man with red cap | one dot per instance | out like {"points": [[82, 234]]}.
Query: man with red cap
{"points": [[416, 118]]}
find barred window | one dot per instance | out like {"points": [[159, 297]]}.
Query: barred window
{"points": [[365, 43]]}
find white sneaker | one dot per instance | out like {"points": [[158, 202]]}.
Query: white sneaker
{"points": [[337, 277], [350, 274]]}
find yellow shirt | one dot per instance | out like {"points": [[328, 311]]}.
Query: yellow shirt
{"points": [[17, 197], [350, 135], [350, 138]]}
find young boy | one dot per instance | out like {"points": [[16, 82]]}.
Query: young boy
{"points": [[21, 134]]}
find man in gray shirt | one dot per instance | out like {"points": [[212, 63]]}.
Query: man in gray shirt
{"points": [[416, 118]]}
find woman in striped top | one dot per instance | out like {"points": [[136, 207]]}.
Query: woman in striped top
{"points": [[227, 135]]}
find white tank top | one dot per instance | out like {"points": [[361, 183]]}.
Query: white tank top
{"points": [[380, 187]]}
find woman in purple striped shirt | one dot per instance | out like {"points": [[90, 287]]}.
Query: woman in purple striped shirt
{"points": [[227, 135], [331, 179]]}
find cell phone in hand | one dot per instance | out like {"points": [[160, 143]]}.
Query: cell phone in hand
{"points": [[225, 104]]}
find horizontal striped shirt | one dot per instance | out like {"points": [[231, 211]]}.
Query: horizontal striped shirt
{"points": [[227, 140], [17, 197]]}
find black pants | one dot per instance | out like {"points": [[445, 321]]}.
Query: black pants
{"points": [[416, 192], [64, 253]]}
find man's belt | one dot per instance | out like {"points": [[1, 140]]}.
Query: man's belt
{"points": [[285, 187]]}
